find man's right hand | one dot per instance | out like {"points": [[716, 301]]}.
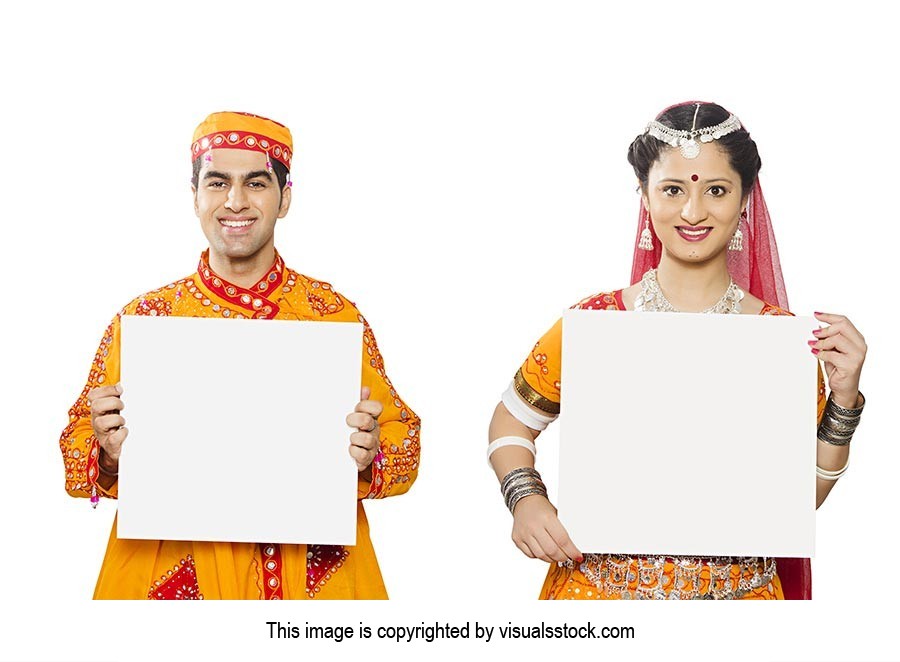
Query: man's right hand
{"points": [[108, 424]]}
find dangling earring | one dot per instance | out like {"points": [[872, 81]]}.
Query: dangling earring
{"points": [[646, 241], [737, 239]]}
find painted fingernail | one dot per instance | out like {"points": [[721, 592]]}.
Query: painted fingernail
{"points": [[815, 351], [811, 342], [817, 331], [818, 313]]}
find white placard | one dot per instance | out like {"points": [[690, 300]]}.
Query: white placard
{"points": [[688, 434], [237, 430]]}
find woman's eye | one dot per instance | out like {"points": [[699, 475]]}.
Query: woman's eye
{"points": [[671, 190], [717, 191]]}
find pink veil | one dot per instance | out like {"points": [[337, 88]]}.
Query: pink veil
{"points": [[757, 270]]}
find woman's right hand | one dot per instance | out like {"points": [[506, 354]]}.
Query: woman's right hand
{"points": [[538, 532]]}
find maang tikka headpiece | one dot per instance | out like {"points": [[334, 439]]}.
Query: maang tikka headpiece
{"points": [[686, 141]]}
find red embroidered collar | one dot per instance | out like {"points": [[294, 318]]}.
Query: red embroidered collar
{"points": [[258, 300]]}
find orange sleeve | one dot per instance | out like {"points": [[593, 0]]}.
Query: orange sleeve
{"points": [[397, 464], [80, 448], [538, 380]]}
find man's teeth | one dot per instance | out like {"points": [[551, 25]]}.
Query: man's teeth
{"points": [[694, 233], [236, 224]]}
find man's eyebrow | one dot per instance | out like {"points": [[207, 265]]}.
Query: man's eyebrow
{"points": [[258, 173], [253, 174], [215, 174]]}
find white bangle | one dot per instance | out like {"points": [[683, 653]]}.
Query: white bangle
{"points": [[522, 412], [826, 474], [527, 444]]}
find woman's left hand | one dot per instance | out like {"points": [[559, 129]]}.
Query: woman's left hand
{"points": [[842, 349]]}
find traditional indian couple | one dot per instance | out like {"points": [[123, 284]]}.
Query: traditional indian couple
{"points": [[704, 244]]}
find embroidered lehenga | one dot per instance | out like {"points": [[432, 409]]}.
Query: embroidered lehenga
{"points": [[141, 569]]}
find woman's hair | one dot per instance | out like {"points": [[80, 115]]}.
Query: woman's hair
{"points": [[738, 145]]}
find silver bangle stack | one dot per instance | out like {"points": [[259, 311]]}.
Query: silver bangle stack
{"points": [[839, 423], [520, 483]]}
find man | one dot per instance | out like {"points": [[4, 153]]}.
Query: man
{"points": [[241, 187]]}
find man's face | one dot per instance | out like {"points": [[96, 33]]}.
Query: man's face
{"points": [[238, 201]]}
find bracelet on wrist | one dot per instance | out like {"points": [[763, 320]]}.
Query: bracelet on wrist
{"points": [[520, 483], [839, 423]]}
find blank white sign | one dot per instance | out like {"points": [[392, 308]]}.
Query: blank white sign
{"points": [[237, 430], [688, 434]]}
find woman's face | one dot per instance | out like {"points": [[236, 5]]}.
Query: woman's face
{"points": [[695, 204]]}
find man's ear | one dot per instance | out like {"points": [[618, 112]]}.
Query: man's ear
{"points": [[285, 201]]}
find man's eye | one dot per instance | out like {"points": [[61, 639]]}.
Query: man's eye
{"points": [[256, 185], [216, 185]]}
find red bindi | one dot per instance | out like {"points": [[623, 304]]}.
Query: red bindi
{"points": [[694, 178]]}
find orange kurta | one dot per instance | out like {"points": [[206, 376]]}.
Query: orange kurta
{"points": [[607, 576], [154, 569]]}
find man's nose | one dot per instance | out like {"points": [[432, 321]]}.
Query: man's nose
{"points": [[237, 200]]}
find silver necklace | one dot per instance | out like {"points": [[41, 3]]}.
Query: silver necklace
{"points": [[652, 299]]}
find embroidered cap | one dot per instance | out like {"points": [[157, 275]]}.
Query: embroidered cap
{"points": [[231, 130]]}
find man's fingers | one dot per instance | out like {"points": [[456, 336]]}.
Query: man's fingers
{"points": [[108, 422], [106, 405], [363, 458], [104, 391], [371, 407], [112, 444], [118, 436], [365, 440], [361, 421]]}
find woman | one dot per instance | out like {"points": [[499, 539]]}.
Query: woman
{"points": [[704, 245]]}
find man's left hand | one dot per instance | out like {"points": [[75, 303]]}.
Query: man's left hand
{"points": [[364, 443]]}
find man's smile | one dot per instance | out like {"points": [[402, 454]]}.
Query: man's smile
{"points": [[236, 221]]}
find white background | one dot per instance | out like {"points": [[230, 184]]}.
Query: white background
{"points": [[461, 174]]}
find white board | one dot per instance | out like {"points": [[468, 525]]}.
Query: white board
{"points": [[237, 430], [688, 434]]}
